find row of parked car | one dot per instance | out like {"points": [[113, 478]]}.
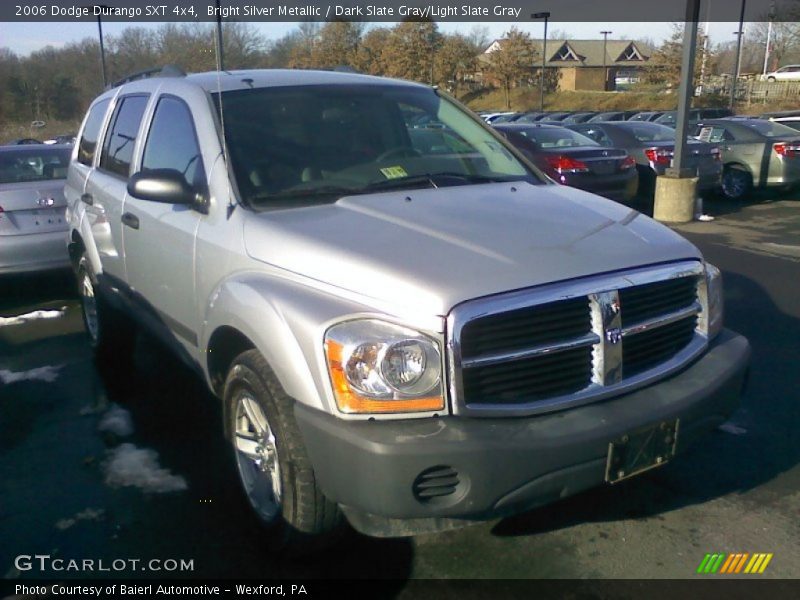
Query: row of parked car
{"points": [[619, 154]]}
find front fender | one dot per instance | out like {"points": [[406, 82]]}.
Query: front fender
{"points": [[286, 321]]}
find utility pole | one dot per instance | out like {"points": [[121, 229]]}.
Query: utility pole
{"points": [[769, 38], [605, 69], [545, 16], [740, 35], [686, 89]]}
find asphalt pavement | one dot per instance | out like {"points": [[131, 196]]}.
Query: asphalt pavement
{"points": [[124, 459]]}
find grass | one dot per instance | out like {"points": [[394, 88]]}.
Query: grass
{"points": [[528, 99], [522, 99], [11, 131]]}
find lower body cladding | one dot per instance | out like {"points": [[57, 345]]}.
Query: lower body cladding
{"points": [[401, 477], [33, 252]]}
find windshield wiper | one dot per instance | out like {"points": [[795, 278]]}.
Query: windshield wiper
{"points": [[430, 179], [324, 190]]}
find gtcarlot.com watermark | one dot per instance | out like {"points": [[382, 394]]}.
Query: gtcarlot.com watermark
{"points": [[45, 563]]}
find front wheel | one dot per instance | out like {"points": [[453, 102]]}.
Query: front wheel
{"points": [[271, 460], [736, 183]]}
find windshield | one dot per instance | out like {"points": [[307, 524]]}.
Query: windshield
{"points": [[556, 137], [33, 164], [317, 143]]}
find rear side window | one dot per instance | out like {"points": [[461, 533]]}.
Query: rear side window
{"points": [[121, 139], [172, 142], [91, 132]]}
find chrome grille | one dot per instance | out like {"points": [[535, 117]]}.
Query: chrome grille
{"points": [[561, 345]]}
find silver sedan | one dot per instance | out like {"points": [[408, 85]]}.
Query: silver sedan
{"points": [[33, 227]]}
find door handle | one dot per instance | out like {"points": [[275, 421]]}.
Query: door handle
{"points": [[130, 220], [87, 199]]}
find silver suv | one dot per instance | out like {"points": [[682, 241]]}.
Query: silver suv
{"points": [[409, 327]]}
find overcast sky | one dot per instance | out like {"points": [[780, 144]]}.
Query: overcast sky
{"points": [[24, 38]]}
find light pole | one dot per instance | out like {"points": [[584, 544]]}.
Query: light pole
{"points": [[220, 54], [605, 71], [739, 35], [545, 16], [102, 45]]}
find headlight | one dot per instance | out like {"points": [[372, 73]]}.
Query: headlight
{"points": [[714, 309], [378, 367]]}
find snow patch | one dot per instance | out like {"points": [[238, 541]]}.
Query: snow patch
{"points": [[47, 373], [32, 316], [128, 465], [116, 420], [732, 428], [88, 514]]}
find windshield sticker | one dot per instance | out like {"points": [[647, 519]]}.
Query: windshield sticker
{"points": [[394, 172]]}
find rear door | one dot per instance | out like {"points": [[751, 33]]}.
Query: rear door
{"points": [[106, 189]]}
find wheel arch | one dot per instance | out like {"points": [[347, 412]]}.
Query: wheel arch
{"points": [[284, 320]]}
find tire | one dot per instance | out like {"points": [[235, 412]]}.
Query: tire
{"points": [[737, 183], [110, 333], [270, 458], [771, 79]]}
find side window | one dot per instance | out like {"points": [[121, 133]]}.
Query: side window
{"points": [[172, 142], [91, 133], [121, 139]]}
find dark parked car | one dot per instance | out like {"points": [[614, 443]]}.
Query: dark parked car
{"points": [[555, 117], [755, 153], [532, 117], [505, 118], [652, 146], [646, 116], [670, 118], [575, 160], [579, 117], [22, 142], [617, 115], [64, 138]]}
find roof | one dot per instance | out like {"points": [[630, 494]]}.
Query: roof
{"points": [[247, 79], [588, 53]]}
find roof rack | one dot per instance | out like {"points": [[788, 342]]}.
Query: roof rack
{"points": [[165, 71]]}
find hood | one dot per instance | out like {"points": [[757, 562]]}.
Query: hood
{"points": [[431, 249]]}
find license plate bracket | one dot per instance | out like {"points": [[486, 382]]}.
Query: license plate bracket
{"points": [[641, 450]]}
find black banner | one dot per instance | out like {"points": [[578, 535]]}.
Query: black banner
{"points": [[710, 586], [393, 10]]}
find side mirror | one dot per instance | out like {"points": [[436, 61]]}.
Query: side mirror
{"points": [[162, 185]]}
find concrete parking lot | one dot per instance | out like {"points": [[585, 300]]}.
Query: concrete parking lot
{"points": [[126, 460]]}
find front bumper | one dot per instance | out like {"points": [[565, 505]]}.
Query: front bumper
{"points": [[506, 465]]}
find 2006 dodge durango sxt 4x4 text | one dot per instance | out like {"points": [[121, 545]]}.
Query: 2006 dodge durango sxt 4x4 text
{"points": [[409, 326]]}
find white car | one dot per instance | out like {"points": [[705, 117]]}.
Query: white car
{"points": [[787, 73]]}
